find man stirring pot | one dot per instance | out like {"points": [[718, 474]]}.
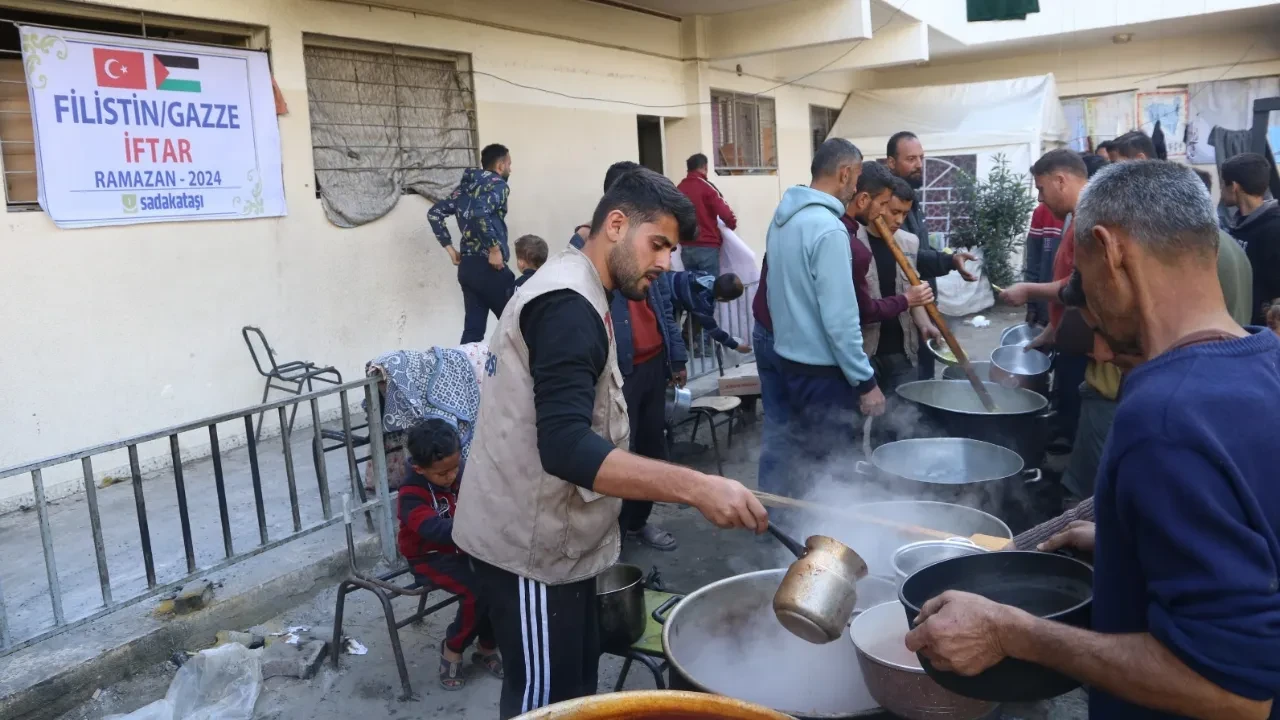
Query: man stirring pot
{"points": [[548, 466]]}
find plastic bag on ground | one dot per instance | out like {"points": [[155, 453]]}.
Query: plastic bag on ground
{"points": [[221, 683]]}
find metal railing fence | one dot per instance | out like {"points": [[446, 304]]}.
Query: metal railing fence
{"points": [[381, 502], [707, 356]]}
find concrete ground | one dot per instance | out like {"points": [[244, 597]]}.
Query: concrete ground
{"points": [[367, 685]]}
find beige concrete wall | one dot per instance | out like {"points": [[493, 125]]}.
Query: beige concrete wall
{"points": [[111, 332]]}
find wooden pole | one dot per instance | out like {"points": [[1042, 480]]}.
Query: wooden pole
{"points": [[961, 359], [989, 542]]}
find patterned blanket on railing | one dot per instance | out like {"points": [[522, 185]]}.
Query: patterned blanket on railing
{"points": [[440, 382]]}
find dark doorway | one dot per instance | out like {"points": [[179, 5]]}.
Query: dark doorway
{"points": [[649, 130]]}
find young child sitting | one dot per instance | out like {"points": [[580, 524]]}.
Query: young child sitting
{"points": [[426, 504], [698, 292], [531, 253]]}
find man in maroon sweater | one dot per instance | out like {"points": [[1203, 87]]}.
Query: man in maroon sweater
{"points": [[870, 310], [703, 253]]}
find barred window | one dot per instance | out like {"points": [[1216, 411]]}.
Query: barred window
{"points": [[744, 133], [821, 120], [386, 121]]}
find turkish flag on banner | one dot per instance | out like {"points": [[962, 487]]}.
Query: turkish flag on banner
{"points": [[120, 68]]}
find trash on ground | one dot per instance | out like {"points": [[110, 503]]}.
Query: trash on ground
{"points": [[298, 660], [979, 321], [292, 635], [352, 646], [221, 683]]}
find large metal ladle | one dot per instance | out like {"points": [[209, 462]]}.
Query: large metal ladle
{"points": [[816, 598]]}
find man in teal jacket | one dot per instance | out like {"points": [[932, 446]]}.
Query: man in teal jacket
{"points": [[827, 378]]}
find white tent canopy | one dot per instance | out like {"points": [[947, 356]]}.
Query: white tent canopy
{"points": [[1019, 118]]}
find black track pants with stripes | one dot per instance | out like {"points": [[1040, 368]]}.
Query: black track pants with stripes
{"points": [[548, 634]]}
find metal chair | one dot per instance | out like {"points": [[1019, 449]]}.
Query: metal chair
{"points": [[298, 373], [386, 591], [708, 407]]}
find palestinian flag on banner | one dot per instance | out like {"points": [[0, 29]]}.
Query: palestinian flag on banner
{"points": [[177, 72]]}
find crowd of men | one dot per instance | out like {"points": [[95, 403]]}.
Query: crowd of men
{"points": [[1140, 288]]}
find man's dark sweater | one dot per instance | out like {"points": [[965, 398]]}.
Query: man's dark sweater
{"points": [[1259, 232], [568, 352], [1188, 516]]}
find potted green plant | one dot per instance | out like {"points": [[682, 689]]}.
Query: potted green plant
{"points": [[992, 214]]}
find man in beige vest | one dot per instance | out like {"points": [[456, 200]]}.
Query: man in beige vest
{"points": [[549, 468]]}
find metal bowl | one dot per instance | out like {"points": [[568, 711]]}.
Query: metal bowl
{"points": [[895, 677], [1016, 360], [1020, 334], [942, 352], [913, 556]]}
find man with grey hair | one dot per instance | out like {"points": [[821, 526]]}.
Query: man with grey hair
{"points": [[1186, 600], [824, 377]]}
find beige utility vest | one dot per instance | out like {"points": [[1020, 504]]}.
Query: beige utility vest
{"points": [[511, 513], [910, 246]]}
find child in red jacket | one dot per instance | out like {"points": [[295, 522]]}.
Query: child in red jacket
{"points": [[428, 498]]}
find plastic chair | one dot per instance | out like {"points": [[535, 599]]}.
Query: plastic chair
{"points": [[297, 374]]}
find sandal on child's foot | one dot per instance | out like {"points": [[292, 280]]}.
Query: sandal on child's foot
{"points": [[492, 662], [451, 674]]}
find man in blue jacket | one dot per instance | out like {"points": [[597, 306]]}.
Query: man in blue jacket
{"points": [[479, 204], [697, 293], [827, 379], [651, 356], [1186, 598]]}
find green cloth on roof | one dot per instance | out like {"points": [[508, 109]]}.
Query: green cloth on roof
{"points": [[984, 10]]}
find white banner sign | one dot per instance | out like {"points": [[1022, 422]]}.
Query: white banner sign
{"points": [[130, 130]]}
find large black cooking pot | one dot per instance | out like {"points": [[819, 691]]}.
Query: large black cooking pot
{"points": [[1046, 585], [967, 472], [725, 639], [952, 409]]}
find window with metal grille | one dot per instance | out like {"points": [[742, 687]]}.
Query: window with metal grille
{"points": [[17, 136], [744, 132], [940, 192], [821, 120], [385, 121]]}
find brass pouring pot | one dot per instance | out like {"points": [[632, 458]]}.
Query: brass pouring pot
{"points": [[816, 598]]}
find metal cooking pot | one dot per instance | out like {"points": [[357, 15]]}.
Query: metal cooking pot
{"points": [[1020, 334], [724, 639], [894, 675], [1047, 585], [877, 543], [620, 600], [952, 409], [959, 470], [913, 556], [1014, 366], [679, 401], [653, 705], [981, 368], [816, 597]]}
